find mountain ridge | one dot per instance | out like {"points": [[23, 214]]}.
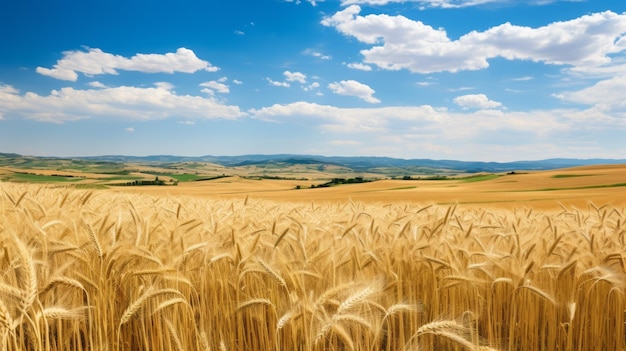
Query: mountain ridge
{"points": [[357, 163]]}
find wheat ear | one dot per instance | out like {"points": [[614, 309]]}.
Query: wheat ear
{"points": [[30, 282], [137, 304]]}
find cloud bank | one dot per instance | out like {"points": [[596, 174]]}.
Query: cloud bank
{"points": [[124, 103], [96, 62], [398, 42]]}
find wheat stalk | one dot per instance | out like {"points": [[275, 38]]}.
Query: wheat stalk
{"points": [[138, 304]]}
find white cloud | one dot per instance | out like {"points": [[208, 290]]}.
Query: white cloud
{"points": [[359, 66], [8, 90], [295, 77], [440, 133], [125, 102], [427, 121], [317, 54], [130, 129], [238, 82], [238, 32], [448, 4], [289, 77], [312, 2], [277, 83], [95, 62], [312, 86], [96, 84], [354, 88], [398, 42], [164, 85], [476, 101], [333, 118], [427, 3], [215, 86], [601, 96], [461, 89]]}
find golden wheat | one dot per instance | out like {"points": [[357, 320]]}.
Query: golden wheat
{"points": [[111, 271]]}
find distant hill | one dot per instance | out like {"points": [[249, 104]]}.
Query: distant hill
{"points": [[366, 164]]}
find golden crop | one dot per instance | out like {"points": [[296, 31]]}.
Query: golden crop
{"points": [[98, 270]]}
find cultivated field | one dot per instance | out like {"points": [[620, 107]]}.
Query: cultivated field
{"points": [[571, 187], [398, 267]]}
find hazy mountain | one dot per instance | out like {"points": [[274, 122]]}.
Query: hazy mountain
{"points": [[356, 163], [363, 163]]}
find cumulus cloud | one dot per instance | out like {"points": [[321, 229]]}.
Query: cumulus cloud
{"points": [[130, 129], [602, 96], [428, 121], [96, 84], [124, 102], [289, 77], [354, 88], [398, 42], [359, 66], [439, 132], [476, 101], [217, 86], [312, 86], [277, 83], [164, 85], [295, 77], [96, 62]]}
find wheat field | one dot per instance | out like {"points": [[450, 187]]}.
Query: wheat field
{"points": [[98, 270], [542, 190]]}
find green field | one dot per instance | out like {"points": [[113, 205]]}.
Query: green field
{"points": [[479, 178], [186, 177]]}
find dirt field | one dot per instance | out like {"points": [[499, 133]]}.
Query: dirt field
{"points": [[571, 187]]}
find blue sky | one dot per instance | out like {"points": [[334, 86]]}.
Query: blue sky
{"points": [[488, 80]]}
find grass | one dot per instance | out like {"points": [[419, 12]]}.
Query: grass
{"points": [[404, 188], [478, 178], [186, 177], [560, 176], [599, 186], [95, 270]]}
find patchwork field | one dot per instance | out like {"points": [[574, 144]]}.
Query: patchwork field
{"points": [[526, 261], [571, 187]]}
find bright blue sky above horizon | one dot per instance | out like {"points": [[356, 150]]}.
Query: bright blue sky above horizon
{"points": [[481, 80]]}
